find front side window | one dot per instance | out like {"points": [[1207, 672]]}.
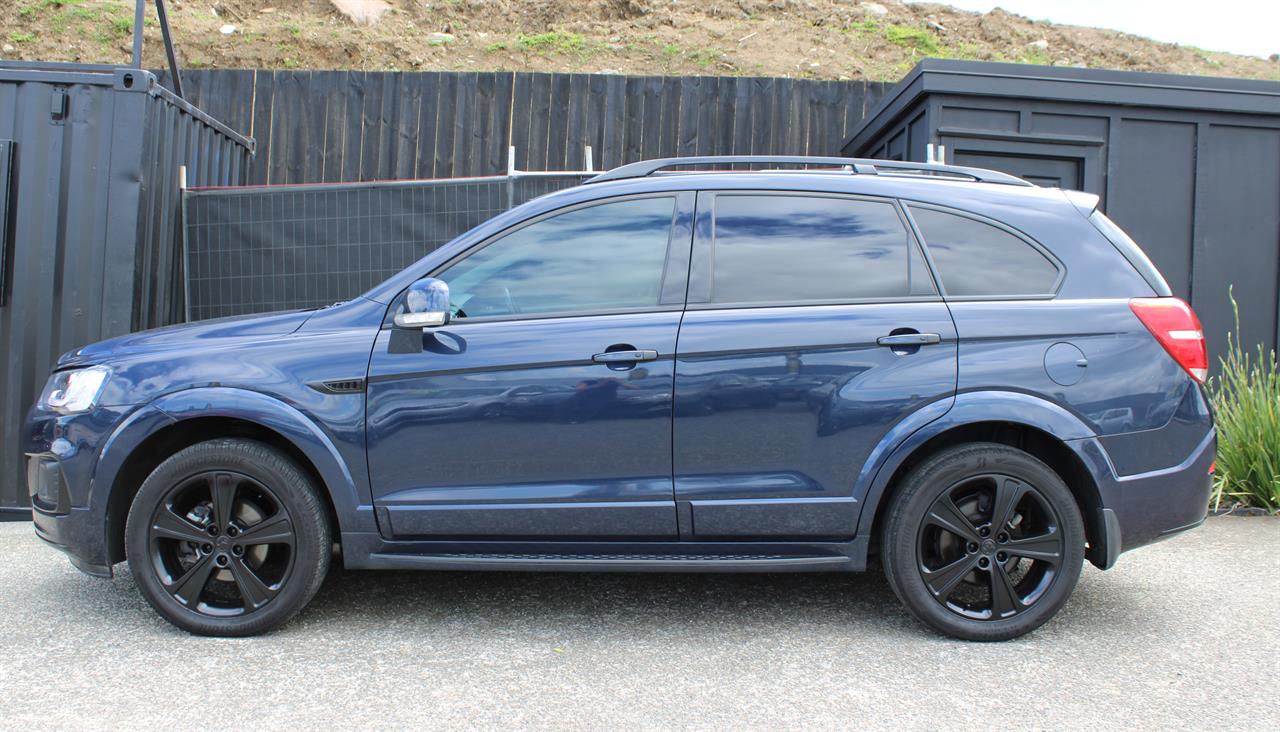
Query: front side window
{"points": [[607, 257], [795, 249], [975, 259]]}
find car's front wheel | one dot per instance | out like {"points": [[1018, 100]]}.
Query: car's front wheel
{"points": [[983, 542], [228, 537]]}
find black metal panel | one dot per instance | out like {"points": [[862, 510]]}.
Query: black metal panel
{"points": [[1190, 166], [94, 218], [7, 212]]}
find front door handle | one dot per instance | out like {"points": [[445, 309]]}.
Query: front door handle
{"points": [[616, 357], [909, 339]]}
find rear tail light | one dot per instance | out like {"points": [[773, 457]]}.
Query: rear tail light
{"points": [[1176, 327]]}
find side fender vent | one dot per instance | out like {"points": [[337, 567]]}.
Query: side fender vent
{"points": [[339, 386]]}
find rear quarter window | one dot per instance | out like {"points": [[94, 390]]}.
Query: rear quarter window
{"points": [[977, 259], [1130, 250]]}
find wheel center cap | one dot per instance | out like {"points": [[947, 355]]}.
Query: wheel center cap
{"points": [[988, 546], [222, 542]]}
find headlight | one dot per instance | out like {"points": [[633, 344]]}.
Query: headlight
{"points": [[74, 391]]}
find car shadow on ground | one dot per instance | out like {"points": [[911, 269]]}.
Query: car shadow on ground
{"points": [[593, 604]]}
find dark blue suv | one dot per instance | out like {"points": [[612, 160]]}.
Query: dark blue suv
{"points": [[978, 382]]}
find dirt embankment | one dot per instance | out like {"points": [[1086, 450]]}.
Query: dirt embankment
{"points": [[824, 39]]}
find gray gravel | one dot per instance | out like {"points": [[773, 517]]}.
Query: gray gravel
{"points": [[1181, 634]]}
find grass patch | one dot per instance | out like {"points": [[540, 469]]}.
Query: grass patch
{"points": [[918, 39], [20, 37], [552, 42], [1246, 405]]}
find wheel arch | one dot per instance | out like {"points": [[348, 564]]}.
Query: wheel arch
{"points": [[1040, 428], [194, 418]]}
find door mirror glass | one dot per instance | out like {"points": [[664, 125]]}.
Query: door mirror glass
{"points": [[426, 305]]}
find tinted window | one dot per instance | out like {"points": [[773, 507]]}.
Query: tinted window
{"points": [[802, 248], [974, 258], [1132, 252], [606, 257]]}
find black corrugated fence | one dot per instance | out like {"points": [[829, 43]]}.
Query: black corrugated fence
{"points": [[91, 243]]}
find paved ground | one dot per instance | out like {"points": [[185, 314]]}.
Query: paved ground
{"points": [[1182, 634]]}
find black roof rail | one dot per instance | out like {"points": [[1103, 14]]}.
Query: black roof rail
{"points": [[856, 166]]}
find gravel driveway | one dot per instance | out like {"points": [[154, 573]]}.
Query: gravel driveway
{"points": [[1181, 634]]}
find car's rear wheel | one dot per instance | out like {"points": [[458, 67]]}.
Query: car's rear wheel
{"points": [[983, 542], [228, 537]]}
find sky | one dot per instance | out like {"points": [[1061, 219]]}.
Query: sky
{"points": [[1249, 27]]}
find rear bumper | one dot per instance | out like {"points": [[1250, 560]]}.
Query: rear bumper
{"points": [[1155, 505]]}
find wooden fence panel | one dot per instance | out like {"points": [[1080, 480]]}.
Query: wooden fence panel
{"points": [[347, 126]]}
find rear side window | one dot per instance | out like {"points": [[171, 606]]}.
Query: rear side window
{"points": [[975, 259], [796, 249], [1132, 252]]}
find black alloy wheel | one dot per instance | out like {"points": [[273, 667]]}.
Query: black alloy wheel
{"points": [[983, 541], [989, 547], [222, 543], [228, 537]]}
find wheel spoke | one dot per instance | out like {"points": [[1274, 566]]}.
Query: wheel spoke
{"points": [[275, 529], [190, 586], [169, 525], [223, 490], [1046, 547], [252, 589], [1008, 493], [945, 514], [943, 581], [1005, 600]]}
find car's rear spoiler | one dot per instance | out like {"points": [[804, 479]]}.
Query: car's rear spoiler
{"points": [[1085, 202]]}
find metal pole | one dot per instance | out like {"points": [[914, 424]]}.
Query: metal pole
{"points": [[186, 250], [139, 15], [511, 177], [168, 48]]}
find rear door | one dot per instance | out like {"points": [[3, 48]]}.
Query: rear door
{"points": [[813, 326]]}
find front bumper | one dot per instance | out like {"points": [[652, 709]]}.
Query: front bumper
{"points": [[62, 454], [67, 531]]}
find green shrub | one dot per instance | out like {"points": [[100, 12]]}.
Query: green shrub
{"points": [[1246, 404]]}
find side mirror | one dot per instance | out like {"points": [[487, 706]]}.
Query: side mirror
{"points": [[426, 305]]}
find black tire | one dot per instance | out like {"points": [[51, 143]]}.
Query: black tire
{"points": [[969, 581], [189, 557]]}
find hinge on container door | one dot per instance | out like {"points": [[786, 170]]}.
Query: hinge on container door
{"points": [[58, 106]]}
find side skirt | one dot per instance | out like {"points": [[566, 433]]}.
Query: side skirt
{"points": [[370, 551]]}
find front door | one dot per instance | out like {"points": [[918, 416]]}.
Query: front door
{"points": [[513, 421], [813, 326]]}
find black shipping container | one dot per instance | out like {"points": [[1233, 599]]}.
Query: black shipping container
{"points": [[89, 214]]}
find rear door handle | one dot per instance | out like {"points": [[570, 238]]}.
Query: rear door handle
{"points": [[909, 339], [635, 356]]}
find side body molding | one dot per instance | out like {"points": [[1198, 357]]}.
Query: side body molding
{"points": [[967, 408]]}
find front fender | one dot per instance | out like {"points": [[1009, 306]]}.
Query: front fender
{"points": [[344, 488], [967, 408]]}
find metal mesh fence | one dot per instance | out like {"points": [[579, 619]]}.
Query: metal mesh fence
{"points": [[252, 250]]}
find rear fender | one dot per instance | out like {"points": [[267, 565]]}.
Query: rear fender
{"points": [[970, 408]]}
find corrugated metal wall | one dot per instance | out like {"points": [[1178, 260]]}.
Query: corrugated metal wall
{"points": [[93, 250]]}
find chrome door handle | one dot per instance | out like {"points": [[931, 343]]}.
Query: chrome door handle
{"points": [[909, 339], [625, 356]]}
